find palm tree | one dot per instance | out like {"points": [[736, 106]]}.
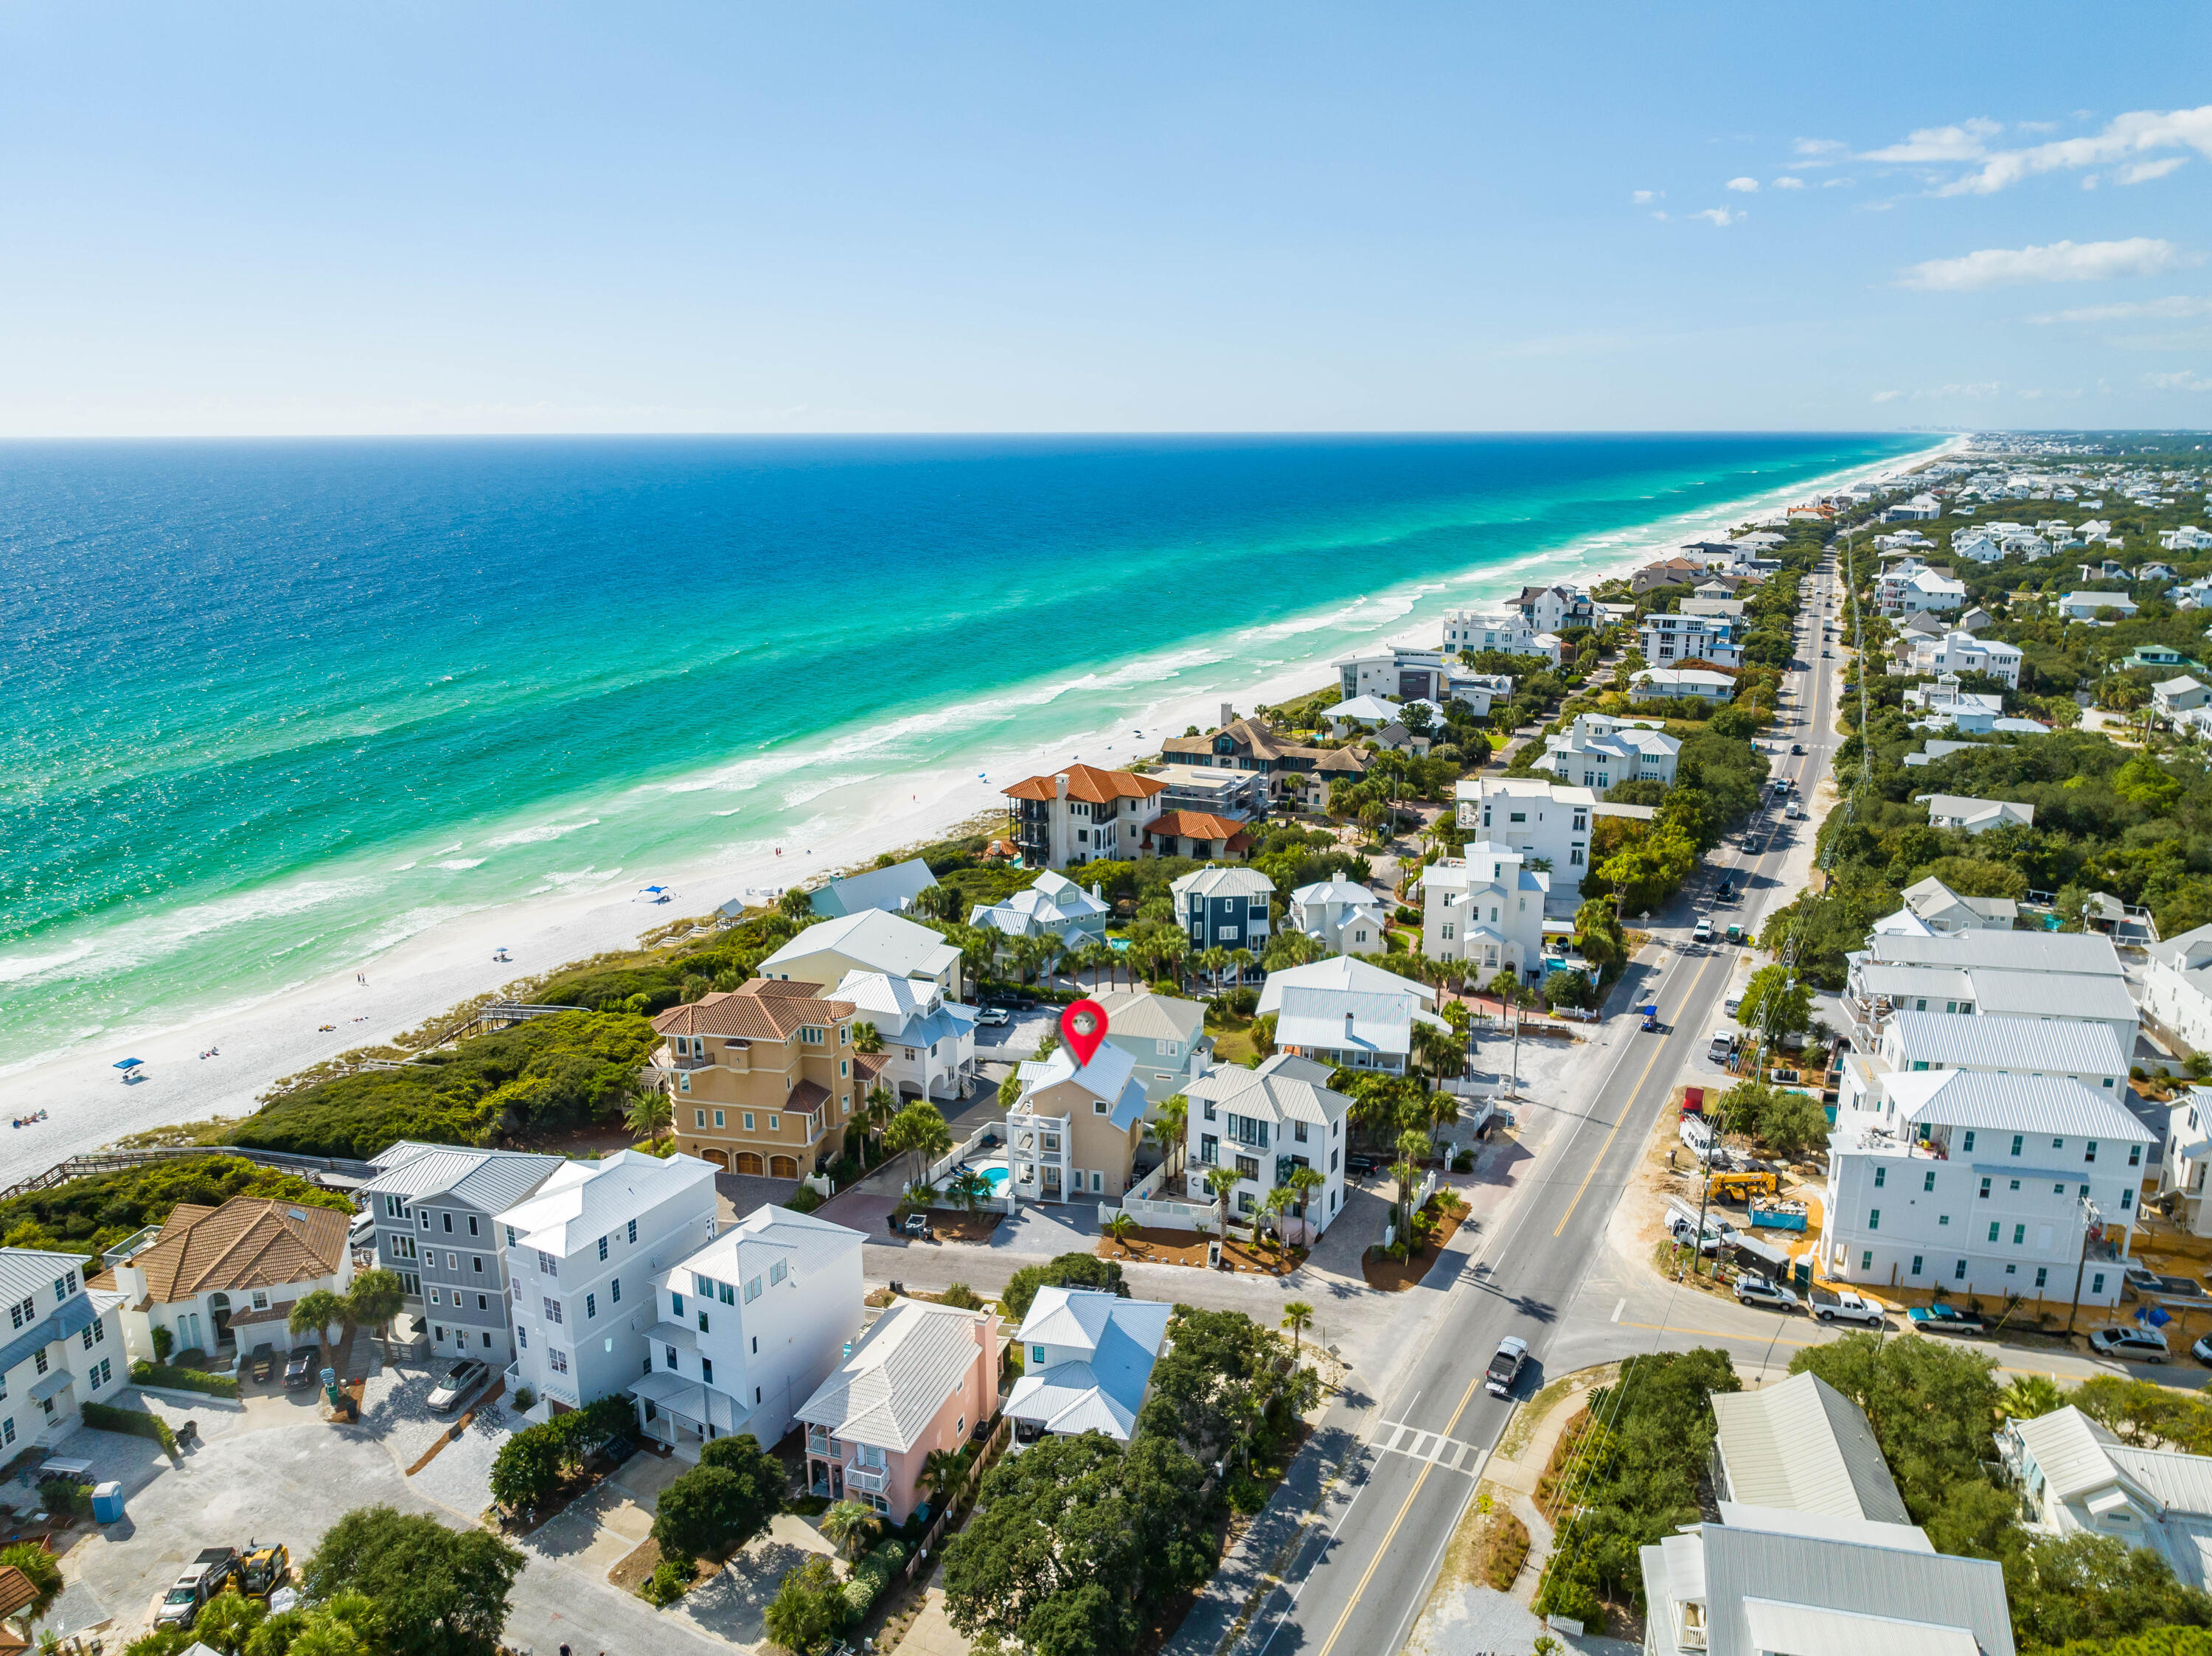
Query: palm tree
{"points": [[651, 1113], [881, 1104], [1306, 1184], [919, 1131], [1171, 1123], [376, 1297], [967, 1190], [795, 904], [1297, 1316], [1413, 1145], [1220, 1181], [1210, 962], [1270, 1209], [848, 1521], [942, 1472], [866, 1040], [1120, 1227], [318, 1311], [2030, 1397], [1243, 960]]}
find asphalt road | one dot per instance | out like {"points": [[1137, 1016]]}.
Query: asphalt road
{"points": [[1356, 1580]]}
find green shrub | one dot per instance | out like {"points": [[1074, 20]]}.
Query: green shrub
{"points": [[65, 1497], [183, 1379], [84, 1215], [872, 1575], [525, 1399], [669, 1581], [138, 1423], [805, 1199], [530, 1464]]}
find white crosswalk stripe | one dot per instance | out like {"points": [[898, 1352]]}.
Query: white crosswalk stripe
{"points": [[1395, 1437]]}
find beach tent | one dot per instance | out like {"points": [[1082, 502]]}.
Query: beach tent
{"points": [[131, 1068]]}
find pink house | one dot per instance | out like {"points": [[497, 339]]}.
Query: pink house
{"points": [[921, 1380]]}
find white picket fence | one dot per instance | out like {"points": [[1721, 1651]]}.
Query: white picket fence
{"points": [[1422, 1192]]}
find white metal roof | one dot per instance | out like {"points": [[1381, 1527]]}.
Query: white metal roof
{"points": [[880, 941], [1145, 1015], [2058, 1105], [2014, 1044], [1345, 1020], [486, 1179], [1814, 1630], [1283, 1089], [1228, 881], [900, 1374], [586, 1200], [742, 1251], [1340, 972], [1805, 1446], [2087, 954]]}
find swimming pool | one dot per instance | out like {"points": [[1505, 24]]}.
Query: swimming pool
{"points": [[996, 1177]]}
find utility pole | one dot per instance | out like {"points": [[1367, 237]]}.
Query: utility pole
{"points": [[2089, 1219]]}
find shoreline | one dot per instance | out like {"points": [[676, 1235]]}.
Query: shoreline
{"points": [[265, 1037]]}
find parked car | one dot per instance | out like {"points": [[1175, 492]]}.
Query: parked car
{"points": [[1360, 1167], [1945, 1320], [1830, 1304], [2203, 1351], [361, 1233], [995, 1016], [206, 1576], [2130, 1345], [300, 1369], [262, 1363], [462, 1382], [1758, 1291]]}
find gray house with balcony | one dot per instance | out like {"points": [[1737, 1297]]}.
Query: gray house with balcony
{"points": [[1224, 909], [433, 1206]]}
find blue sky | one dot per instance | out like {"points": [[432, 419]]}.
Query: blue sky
{"points": [[932, 217]]}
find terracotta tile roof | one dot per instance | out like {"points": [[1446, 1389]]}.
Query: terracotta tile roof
{"points": [[868, 1069], [1196, 825], [16, 1591], [766, 1009], [807, 1095], [1088, 782], [249, 1241]]}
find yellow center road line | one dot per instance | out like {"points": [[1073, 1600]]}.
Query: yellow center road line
{"points": [[1627, 1109], [1391, 1534]]}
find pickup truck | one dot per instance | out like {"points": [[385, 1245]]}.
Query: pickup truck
{"points": [[1945, 1319], [1505, 1367], [1830, 1303]]}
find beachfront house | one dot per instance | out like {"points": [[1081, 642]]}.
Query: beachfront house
{"points": [[1471, 632], [1166, 1035], [743, 1329], [65, 1347], [762, 1077], [870, 941], [1080, 814], [893, 889], [1400, 672], [1198, 835], [1087, 1357], [1485, 906], [1264, 1123], [1225, 908], [582, 1252], [1339, 914], [1299, 774], [916, 1384], [1371, 713], [929, 1042], [1667, 640], [224, 1279], [1074, 1130], [434, 1206]]}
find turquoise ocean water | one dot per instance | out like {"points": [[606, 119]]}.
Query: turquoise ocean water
{"points": [[267, 709]]}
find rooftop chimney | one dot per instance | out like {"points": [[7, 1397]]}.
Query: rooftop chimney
{"points": [[1059, 785], [1228, 714]]}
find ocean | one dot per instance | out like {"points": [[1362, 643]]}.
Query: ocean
{"points": [[269, 708]]}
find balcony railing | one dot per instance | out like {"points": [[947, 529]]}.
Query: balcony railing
{"points": [[822, 1443], [870, 1480]]}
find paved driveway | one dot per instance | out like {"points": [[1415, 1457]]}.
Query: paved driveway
{"points": [[271, 1470]]}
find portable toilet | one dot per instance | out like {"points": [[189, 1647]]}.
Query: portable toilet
{"points": [[107, 1502]]}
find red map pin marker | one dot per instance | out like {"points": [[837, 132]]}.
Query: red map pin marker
{"points": [[1083, 1026]]}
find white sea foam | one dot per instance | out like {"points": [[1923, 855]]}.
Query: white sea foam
{"points": [[22, 968], [538, 835], [457, 863]]}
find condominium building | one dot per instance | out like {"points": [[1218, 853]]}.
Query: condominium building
{"points": [[762, 1077], [1986, 1184]]}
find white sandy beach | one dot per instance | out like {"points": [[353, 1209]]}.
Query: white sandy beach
{"points": [[259, 1042]]}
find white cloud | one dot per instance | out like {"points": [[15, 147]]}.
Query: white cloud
{"points": [[1835, 183], [1660, 215], [1744, 186], [2144, 171], [1641, 197], [2176, 304], [2060, 261], [2135, 133], [1966, 142], [1888, 396], [1789, 184], [2092, 181], [1820, 152], [2184, 381], [1718, 215]]}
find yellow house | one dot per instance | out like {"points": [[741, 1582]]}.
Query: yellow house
{"points": [[763, 1078], [1073, 1132]]}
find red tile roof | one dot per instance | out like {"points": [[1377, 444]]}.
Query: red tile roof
{"points": [[1088, 782], [766, 1009], [1200, 825]]}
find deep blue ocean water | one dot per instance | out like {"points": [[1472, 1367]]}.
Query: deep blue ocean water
{"points": [[268, 708]]}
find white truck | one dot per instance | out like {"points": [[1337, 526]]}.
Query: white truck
{"points": [[1722, 1047], [1832, 1304], [1738, 983]]}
